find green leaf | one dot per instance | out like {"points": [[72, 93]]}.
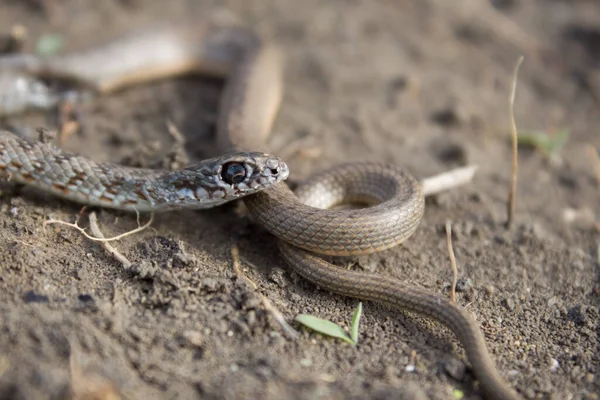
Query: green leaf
{"points": [[356, 323], [458, 394], [49, 44], [324, 327], [547, 143]]}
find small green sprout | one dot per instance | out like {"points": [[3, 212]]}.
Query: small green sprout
{"points": [[458, 394], [548, 144], [355, 323], [49, 44], [332, 329]]}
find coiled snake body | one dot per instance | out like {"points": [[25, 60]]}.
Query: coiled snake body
{"points": [[301, 221]]}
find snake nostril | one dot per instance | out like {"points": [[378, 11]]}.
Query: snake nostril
{"points": [[274, 171]]}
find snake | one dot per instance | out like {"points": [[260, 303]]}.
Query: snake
{"points": [[305, 221], [207, 184]]}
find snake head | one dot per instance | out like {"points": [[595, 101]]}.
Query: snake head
{"points": [[228, 177], [240, 174]]}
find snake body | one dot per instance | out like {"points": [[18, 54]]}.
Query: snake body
{"points": [[248, 106]]}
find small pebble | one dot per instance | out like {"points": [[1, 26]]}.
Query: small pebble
{"points": [[508, 303], [554, 365], [306, 362], [455, 369], [464, 284]]}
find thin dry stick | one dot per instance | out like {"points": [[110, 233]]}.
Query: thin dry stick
{"points": [[102, 238], [175, 132], [515, 163], [114, 253], [236, 264], [448, 180], [452, 260]]}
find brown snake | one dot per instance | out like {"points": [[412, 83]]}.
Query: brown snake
{"points": [[248, 107]]}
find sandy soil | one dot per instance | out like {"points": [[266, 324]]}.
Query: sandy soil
{"points": [[419, 83]]}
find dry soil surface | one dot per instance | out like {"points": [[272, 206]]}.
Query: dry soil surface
{"points": [[419, 83]]}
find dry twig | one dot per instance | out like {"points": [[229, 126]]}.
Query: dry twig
{"points": [[114, 253], [452, 260], [448, 180], [236, 264], [102, 238], [515, 161]]}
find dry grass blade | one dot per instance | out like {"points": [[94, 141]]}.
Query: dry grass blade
{"points": [[448, 180], [236, 264], [515, 162], [114, 253], [452, 260]]}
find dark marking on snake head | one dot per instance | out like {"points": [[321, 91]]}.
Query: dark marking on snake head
{"points": [[106, 199], [183, 184], [112, 190], [74, 181], [26, 176], [16, 163], [140, 194], [61, 188]]}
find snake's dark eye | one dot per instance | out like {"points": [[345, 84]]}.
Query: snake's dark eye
{"points": [[233, 173]]}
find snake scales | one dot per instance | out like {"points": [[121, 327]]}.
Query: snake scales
{"points": [[248, 107]]}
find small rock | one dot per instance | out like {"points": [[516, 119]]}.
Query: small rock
{"points": [[251, 318], [306, 362], [464, 284], [210, 284], [554, 365], [295, 298], [181, 259], [252, 302], [455, 368], [193, 338], [277, 275], [508, 303]]}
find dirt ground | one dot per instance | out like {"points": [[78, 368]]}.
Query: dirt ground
{"points": [[419, 83]]}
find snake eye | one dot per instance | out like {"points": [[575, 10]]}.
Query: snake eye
{"points": [[233, 173]]}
